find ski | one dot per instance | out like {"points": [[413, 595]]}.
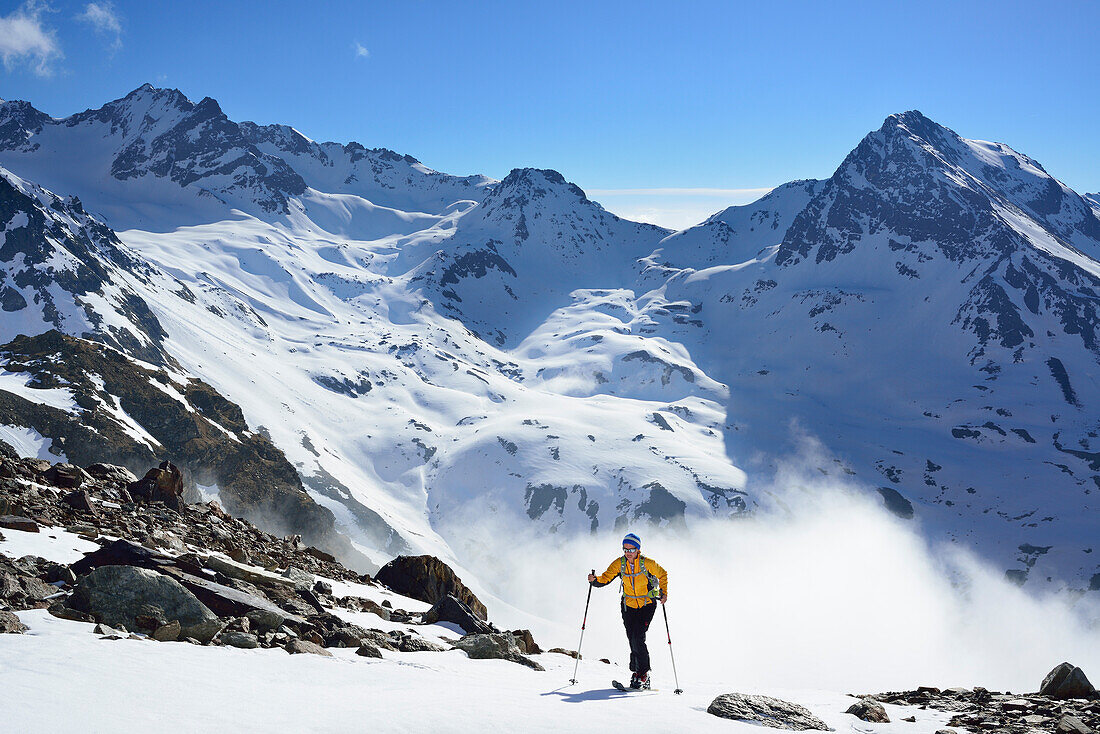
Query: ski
{"points": [[627, 689]]}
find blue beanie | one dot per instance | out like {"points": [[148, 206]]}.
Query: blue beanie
{"points": [[632, 540]]}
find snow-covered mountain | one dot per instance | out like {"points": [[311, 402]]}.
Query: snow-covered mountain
{"points": [[930, 315], [429, 350]]}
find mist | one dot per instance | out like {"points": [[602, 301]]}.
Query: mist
{"points": [[824, 589]]}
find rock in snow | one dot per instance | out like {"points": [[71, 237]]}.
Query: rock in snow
{"points": [[767, 711], [1066, 681]]}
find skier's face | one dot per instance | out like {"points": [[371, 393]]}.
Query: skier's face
{"points": [[630, 552]]}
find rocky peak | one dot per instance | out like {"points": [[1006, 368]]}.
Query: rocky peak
{"points": [[58, 266], [526, 186], [917, 179]]}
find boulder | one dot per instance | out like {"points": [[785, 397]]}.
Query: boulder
{"points": [[15, 522], [498, 645], [766, 711], [297, 647], [265, 620], [61, 611], [298, 577], [563, 651], [80, 500], [379, 639], [117, 595], [415, 643], [66, 476], [203, 632], [243, 640], [226, 601], [122, 553], [450, 609], [1066, 681], [368, 650], [10, 624], [243, 573], [427, 579], [162, 484], [348, 636], [869, 710], [111, 473], [160, 538], [168, 632], [1072, 725]]}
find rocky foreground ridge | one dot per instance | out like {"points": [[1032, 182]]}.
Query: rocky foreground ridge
{"points": [[168, 570], [172, 571]]}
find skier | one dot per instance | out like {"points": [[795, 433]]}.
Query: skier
{"points": [[644, 583]]}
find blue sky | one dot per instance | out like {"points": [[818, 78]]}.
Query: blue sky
{"points": [[661, 111]]}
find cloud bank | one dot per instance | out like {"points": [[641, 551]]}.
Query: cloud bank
{"points": [[823, 590]]}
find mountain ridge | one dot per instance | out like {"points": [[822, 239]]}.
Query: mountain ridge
{"points": [[927, 313]]}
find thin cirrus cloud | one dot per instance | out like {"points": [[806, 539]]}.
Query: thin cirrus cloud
{"points": [[24, 39], [104, 20], [361, 51]]}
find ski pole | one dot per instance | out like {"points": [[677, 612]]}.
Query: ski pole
{"points": [[674, 676], [583, 623]]}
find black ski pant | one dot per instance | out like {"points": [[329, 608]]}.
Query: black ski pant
{"points": [[637, 622]]}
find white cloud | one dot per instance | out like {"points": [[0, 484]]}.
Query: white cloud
{"points": [[104, 20], [361, 51], [24, 39]]}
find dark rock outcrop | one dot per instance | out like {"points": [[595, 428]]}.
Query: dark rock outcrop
{"points": [[450, 609], [428, 579], [767, 711], [204, 435], [161, 484], [1066, 681]]}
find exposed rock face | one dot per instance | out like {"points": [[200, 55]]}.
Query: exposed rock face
{"points": [[450, 609], [766, 711], [869, 710], [205, 435], [118, 595], [428, 579], [1066, 681]]}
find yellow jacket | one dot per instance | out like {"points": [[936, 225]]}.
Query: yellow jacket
{"points": [[635, 575]]}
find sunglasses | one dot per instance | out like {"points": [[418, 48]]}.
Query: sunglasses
{"points": [[630, 550]]}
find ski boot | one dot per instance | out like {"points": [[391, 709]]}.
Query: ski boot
{"points": [[643, 682], [635, 681]]}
